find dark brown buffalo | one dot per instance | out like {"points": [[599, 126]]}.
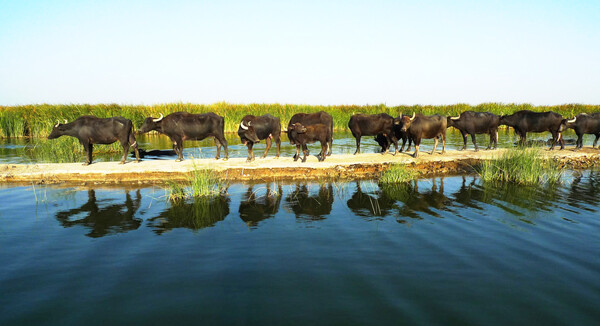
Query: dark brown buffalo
{"points": [[528, 121], [253, 129], [307, 119], [583, 124], [180, 126], [372, 125], [308, 135], [422, 126], [472, 123], [90, 130]]}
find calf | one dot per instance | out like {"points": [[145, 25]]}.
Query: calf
{"points": [[253, 129], [472, 123], [421, 126], [583, 124], [307, 119], [308, 135], [90, 130], [528, 121], [372, 125]]}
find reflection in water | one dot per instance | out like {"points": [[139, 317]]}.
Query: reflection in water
{"points": [[101, 221], [197, 214], [585, 189], [371, 204], [417, 200], [309, 206], [255, 208]]}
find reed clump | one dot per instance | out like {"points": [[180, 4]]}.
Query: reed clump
{"points": [[65, 150], [398, 173], [525, 166], [200, 184], [37, 120]]}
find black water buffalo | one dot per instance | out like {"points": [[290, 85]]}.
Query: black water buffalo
{"points": [[308, 135], [372, 125], [253, 129], [180, 126], [307, 119], [92, 130], [583, 124], [421, 126], [472, 123], [385, 144], [528, 121]]}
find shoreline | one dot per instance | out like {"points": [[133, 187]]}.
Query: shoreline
{"points": [[339, 167]]}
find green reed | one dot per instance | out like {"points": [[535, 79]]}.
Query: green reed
{"points": [[37, 120], [65, 150], [200, 183], [526, 166], [398, 173]]}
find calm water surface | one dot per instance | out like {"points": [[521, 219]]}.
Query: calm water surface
{"points": [[13, 150], [450, 251]]}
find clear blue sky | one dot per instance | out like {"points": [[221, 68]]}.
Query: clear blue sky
{"points": [[303, 52]]}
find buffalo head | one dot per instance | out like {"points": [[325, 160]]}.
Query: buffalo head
{"points": [[404, 121], [566, 124], [58, 130], [247, 132], [297, 128], [151, 123]]}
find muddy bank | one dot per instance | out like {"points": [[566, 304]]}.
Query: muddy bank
{"points": [[346, 167]]}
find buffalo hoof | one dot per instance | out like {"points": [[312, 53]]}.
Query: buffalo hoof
{"points": [[86, 163], [277, 157], [122, 162], [415, 155], [179, 160], [248, 160], [226, 159]]}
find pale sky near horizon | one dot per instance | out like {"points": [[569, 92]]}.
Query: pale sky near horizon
{"points": [[302, 52]]}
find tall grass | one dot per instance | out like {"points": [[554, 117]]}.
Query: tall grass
{"points": [[65, 150], [526, 166], [398, 173], [200, 184], [37, 120]]}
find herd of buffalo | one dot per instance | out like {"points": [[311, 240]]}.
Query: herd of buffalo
{"points": [[307, 128]]}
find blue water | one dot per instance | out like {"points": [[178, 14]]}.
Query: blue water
{"points": [[445, 251]]}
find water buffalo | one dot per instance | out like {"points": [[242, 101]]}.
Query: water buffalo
{"points": [[308, 135], [422, 126], [253, 129], [180, 126], [472, 123], [528, 121], [385, 144], [583, 124], [372, 125], [92, 130], [307, 119]]}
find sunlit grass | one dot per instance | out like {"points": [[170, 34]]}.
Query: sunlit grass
{"points": [[397, 173], [527, 166], [65, 150], [200, 184]]}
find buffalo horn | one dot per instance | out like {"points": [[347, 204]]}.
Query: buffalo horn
{"points": [[571, 121], [57, 123], [242, 125], [413, 117], [157, 120], [455, 118]]}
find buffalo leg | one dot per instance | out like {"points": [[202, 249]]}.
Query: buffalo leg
{"points": [[269, 142], [417, 143], [250, 152], [474, 142], [297, 152], [395, 141], [89, 148], [554, 139], [410, 142], [444, 142], [223, 142], [323, 150], [330, 145], [218, 144], [358, 145], [125, 151], [596, 141], [403, 143], [278, 144], [305, 152], [464, 135], [435, 143], [133, 143]]}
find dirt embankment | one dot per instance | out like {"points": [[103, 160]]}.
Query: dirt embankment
{"points": [[338, 166]]}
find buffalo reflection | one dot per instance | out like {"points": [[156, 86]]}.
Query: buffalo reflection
{"points": [[371, 204], [585, 189], [415, 200], [309, 206], [112, 219], [195, 215], [255, 208]]}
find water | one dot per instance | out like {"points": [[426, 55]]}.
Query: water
{"points": [[451, 251], [13, 150]]}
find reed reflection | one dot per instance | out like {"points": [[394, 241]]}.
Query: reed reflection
{"points": [[103, 219], [372, 204], [195, 214], [256, 207], [417, 200], [308, 205]]}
